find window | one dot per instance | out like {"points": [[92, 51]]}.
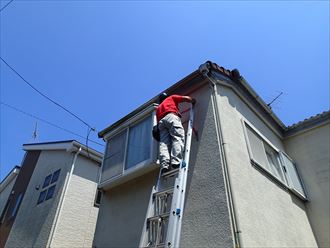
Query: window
{"points": [[55, 176], [50, 192], [294, 180], [114, 156], [138, 148], [49, 187], [17, 204], [128, 148], [272, 161], [98, 197], [47, 181], [42, 196]]}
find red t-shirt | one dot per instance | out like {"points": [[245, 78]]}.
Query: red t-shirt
{"points": [[169, 105]]}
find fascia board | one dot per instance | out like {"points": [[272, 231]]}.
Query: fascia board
{"points": [[228, 85], [45, 147]]}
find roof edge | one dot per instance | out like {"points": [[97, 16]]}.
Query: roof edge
{"points": [[67, 145], [153, 100], [9, 177], [308, 123]]}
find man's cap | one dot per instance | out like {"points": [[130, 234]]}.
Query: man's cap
{"points": [[162, 97]]}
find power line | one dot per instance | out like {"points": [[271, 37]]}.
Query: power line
{"points": [[6, 5], [49, 123], [42, 94]]}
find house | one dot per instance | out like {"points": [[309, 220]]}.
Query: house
{"points": [[53, 198], [6, 187], [252, 181]]}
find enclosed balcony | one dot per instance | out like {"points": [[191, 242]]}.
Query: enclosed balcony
{"points": [[130, 151]]}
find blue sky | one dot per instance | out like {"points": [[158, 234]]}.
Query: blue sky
{"points": [[103, 59]]}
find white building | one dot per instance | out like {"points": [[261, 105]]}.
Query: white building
{"points": [[252, 181], [53, 200]]}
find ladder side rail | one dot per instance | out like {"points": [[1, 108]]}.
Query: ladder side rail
{"points": [[185, 176], [144, 236], [179, 191]]}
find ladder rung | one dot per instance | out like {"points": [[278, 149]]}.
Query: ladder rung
{"points": [[166, 191], [171, 173], [162, 216]]}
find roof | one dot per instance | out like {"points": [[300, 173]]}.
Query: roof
{"points": [[308, 123], [67, 145], [10, 177], [237, 82]]}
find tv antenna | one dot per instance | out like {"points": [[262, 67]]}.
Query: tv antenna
{"points": [[35, 132], [274, 100]]}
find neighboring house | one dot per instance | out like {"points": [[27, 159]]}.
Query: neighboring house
{"points": [[52, 202], [244, 183], [6, 187]]}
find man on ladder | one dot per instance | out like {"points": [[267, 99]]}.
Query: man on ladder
{"points": [[171, 143]]}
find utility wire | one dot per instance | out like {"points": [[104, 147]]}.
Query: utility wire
{"points": [[6, 5], [49, 123], [42, 94]]}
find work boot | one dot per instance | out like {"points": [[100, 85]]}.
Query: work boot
{"points": [[164, 170], [175, 166]]}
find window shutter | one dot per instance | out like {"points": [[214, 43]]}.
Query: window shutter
{"points": [[114, 156], [293, 178], [257, 150]]}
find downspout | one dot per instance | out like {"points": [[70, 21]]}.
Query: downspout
{"points": [[223, 154], [66, 186]]}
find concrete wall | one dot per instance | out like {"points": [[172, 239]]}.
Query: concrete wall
{"points": [[77, 220], [206, 220], [310, 150], [5, 194], [34, 222], [268, 214]]}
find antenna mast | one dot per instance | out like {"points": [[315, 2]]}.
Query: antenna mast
{"points": [[274, 100]]}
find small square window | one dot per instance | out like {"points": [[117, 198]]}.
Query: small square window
{"points": [[50, 192], [56, 175], [42, 196], [47, 181]]}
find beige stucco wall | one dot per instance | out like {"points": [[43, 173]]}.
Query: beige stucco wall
{"points": [[268, 214], [77, 219], [122, 213], [4, 194], [311, 151], [35, 224]]}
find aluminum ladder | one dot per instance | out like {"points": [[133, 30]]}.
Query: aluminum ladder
{"points": [[162, 226]]}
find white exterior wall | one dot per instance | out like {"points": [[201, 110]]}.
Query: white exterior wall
{"points": [[77, 220], [311, 151], [268, 215], [33, 222], [5, 194]]}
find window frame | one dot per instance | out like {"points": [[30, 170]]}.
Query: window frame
{"points": [[287, 181], [17, 204], [149, 112], [52, 184]]}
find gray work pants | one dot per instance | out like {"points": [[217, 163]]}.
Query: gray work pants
{"points": [[171, 143]]}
